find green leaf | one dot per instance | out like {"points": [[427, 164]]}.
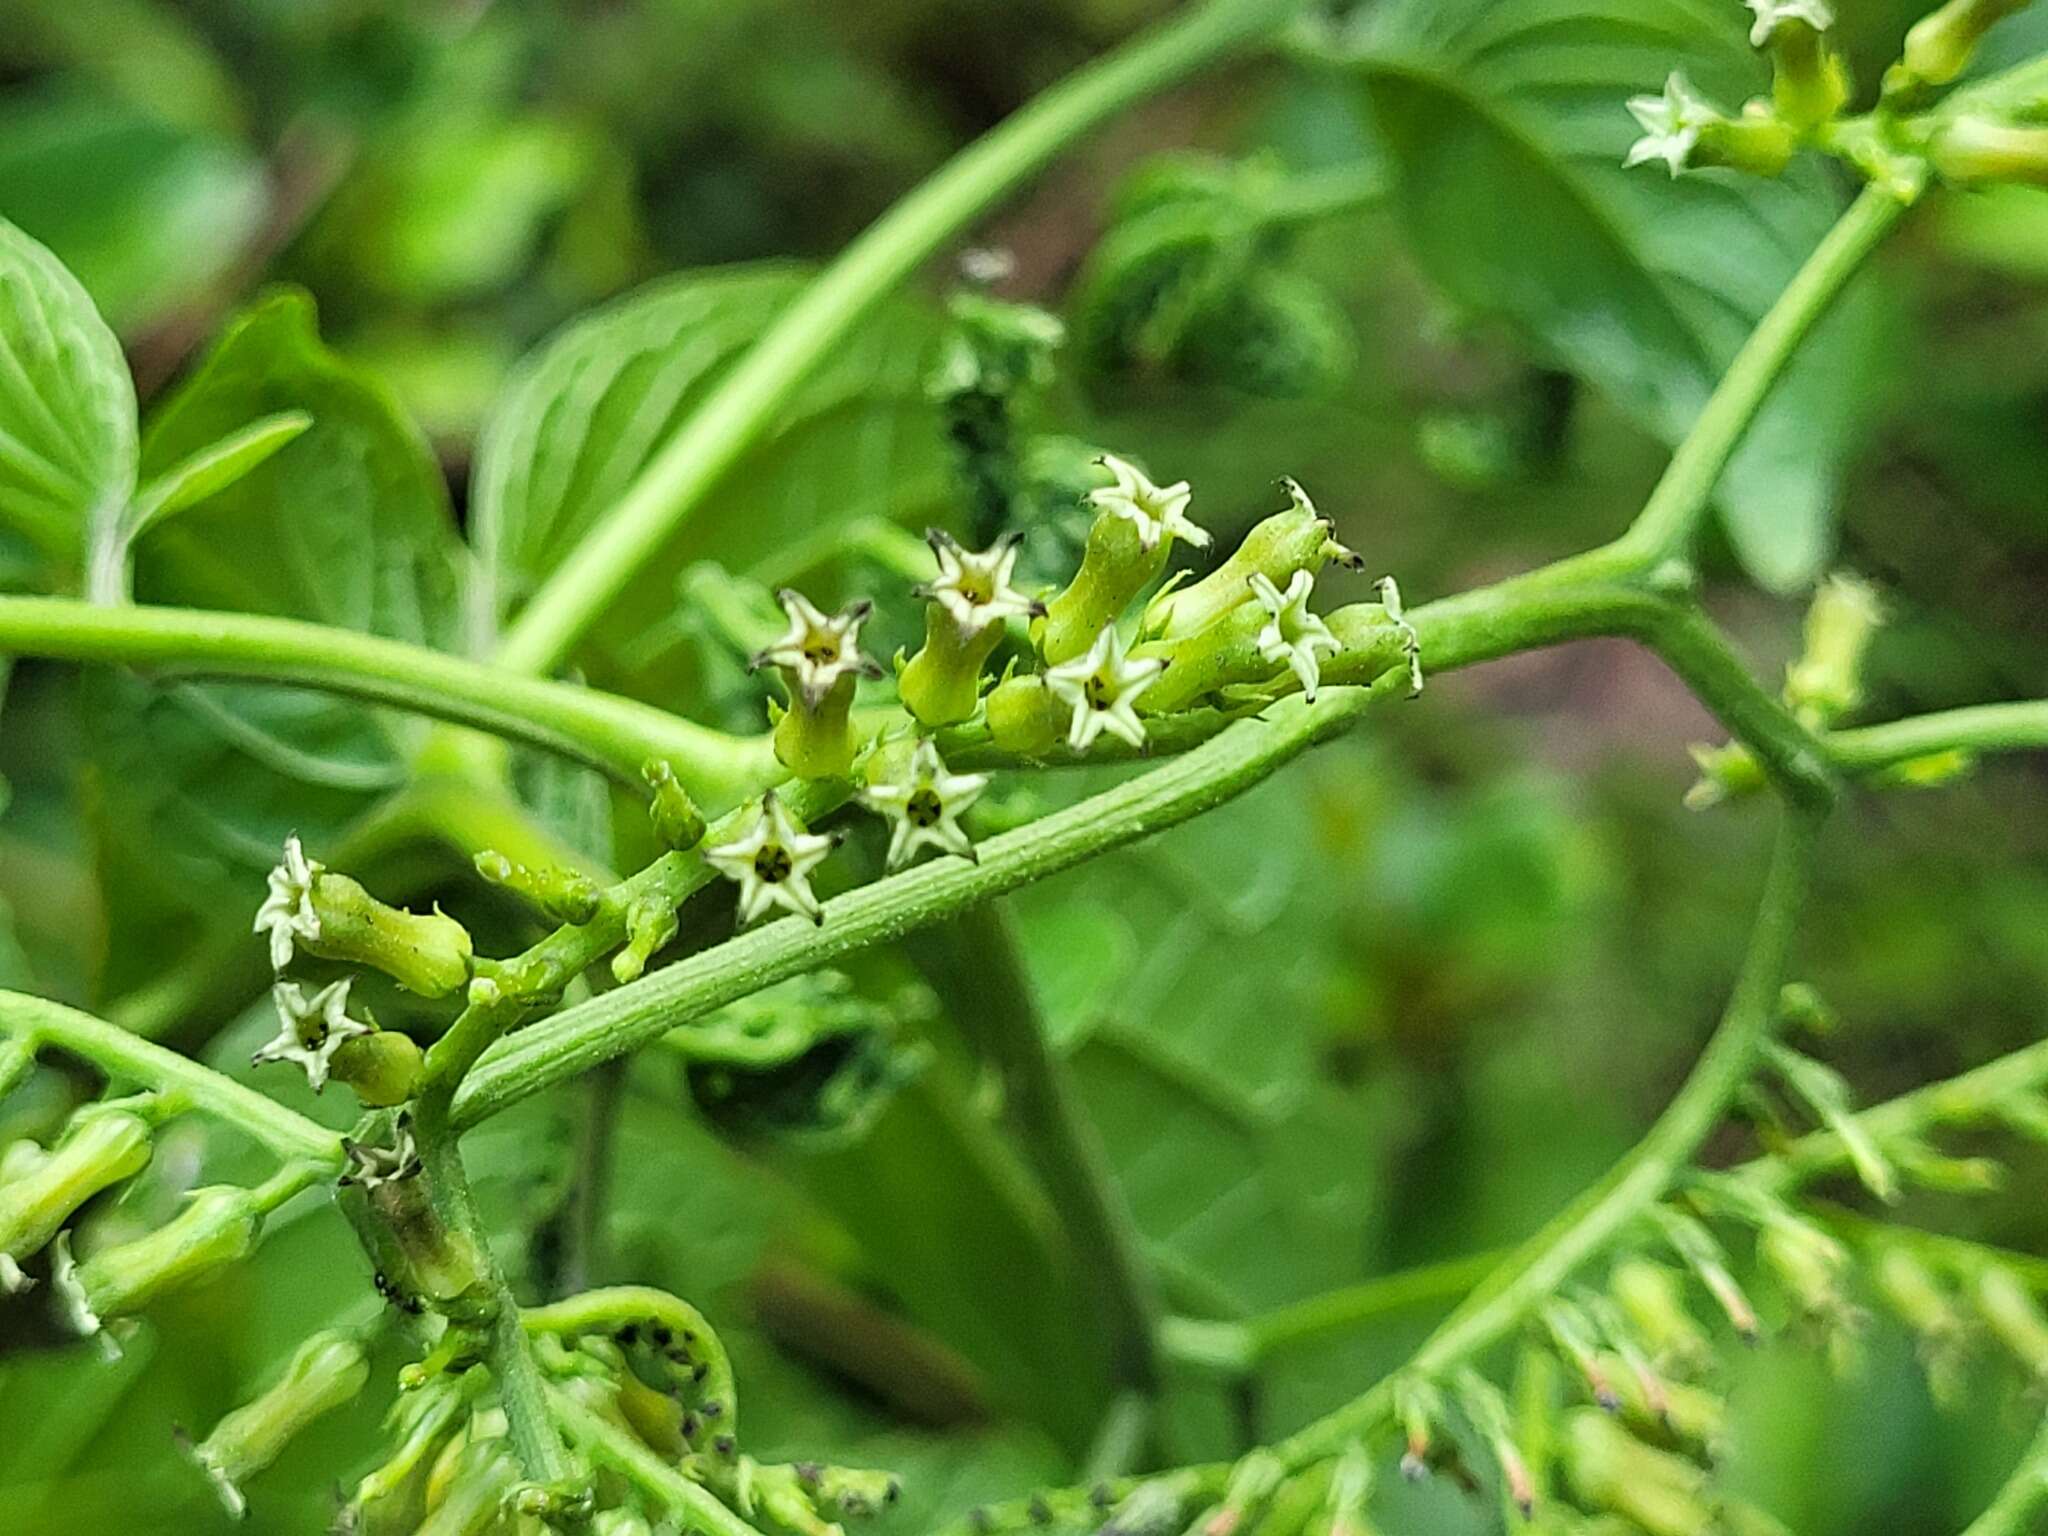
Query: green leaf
{"points": [[1507, 125], [214, 468], [584, 415], [347, 523], [67, 408], [146, 214]]}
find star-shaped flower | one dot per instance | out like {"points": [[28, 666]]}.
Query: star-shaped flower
{"points": [[818, 651], [1102, 685], [1771, 13], [287, 911], [925, 808], [1159, 511], [976, 589], [311, 1028], [1293, 634], [773, 863], [1671, 124]]}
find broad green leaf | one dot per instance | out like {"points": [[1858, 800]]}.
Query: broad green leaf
{"points": [[215, 467], [347, 524], [67, 408], [1507, 125], [588, 410], [146, 214]]}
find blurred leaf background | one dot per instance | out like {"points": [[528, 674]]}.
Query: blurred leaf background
{"points": [[1396, 1006]]}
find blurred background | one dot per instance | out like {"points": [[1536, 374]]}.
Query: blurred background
{"points": [[1395, 1007]]}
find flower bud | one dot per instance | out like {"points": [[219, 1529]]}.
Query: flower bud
{"points": [[1652, 1298], [651, 922], [1116, 565], [678, 824], [218, 1226], [384, 1068], [1023, 717], [1488, 1412], [1825, 682], [1419, 1407], [424, 952], [1939, 47], [1970, 151], [1695, 1244], [1297, 539], [392, 1497], [1727, 772], [1807, 1262], [103, 1146], [325, 1372], [472, 1501], [1571, 1332], [1150, 1509], [1610, 1469], [1252, 1482], [562, 894]]}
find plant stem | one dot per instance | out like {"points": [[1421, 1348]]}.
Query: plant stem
{"points": [[122, 1055], [1542, 1264], [676, 480], [1665, 527], [973, 963], [2017, 727], [613, 734], [625, 1453], [2010, 1513]]}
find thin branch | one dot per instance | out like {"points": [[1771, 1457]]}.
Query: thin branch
{"points": [[2011, 1512]]}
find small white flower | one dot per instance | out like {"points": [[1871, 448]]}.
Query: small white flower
{"points": [[311, 1028], [1293, 634], [1770, 13], [773, 863], [818, 651], [976, 589], [1671, 124], [1411, 642], [1102, 686], [1157, 510], [925, 809], [287, 911]]}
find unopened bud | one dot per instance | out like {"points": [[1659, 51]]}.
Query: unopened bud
{"points": [[424, 952], [1807, 1262], [1488, 1412], [1825, 683], [483, 1474], [1975, 151], [1610, 1469], [2014, 1316], [1418, 1406], [1696, 1245], [326, 1371], [678, 824], [562, 894], [1652, 1298], [383, 1068], [650, 923], [1939, 47], [1572, 1333], [1150, 1509], [1023, 717], [1727, 772], [103, 1146], [1297, 539], [217, 1227]]}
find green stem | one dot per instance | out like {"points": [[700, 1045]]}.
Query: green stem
{"points": [[2010, 1513], [613, 734], [626, 1454], [1670, 518], [2018, 727], [122, 1055], [746, 405], [1543, 1264], [612, 1308], [973, 963]]}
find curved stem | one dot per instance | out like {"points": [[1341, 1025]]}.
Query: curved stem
{"points": [[2017, 727], [1670, 518], [614, 1307], [613, 734], [627, 1454], [2024, 1492], [677, 479], [120, 1054]]}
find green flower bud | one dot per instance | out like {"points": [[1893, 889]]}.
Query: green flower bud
{"points": [[1939, 47], [678, 824], [1023, 717], [650, 923], [1419, 1408], [1807, 1262], [1610, 1469], [1971, 151], [218, 1226], [483, 1475], [103, 1146], [1652, 1298], [424, 952], [1150, 1509], [383, 1068], [1297, 539], [392, 1498], [1825, 682], [1921, 1301], [325, 1372], [1727, 772], [562, 894], [1488, 1411], [1116, 565]]}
